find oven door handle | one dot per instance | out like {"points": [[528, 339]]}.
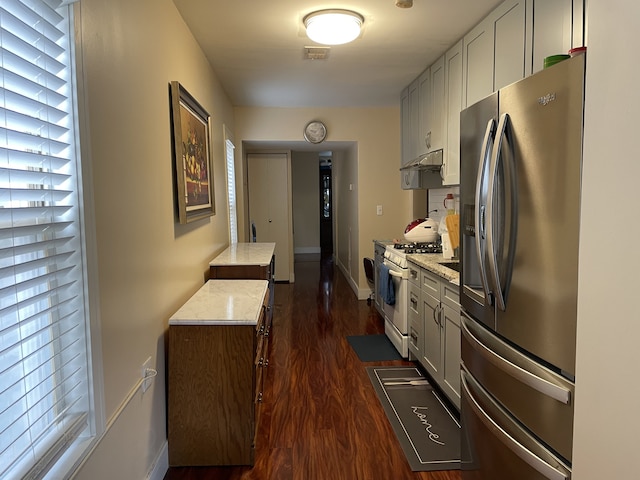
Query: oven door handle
{"points": [[395, 274]]}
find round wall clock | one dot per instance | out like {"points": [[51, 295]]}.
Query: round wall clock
{"points": [[315, 131]]}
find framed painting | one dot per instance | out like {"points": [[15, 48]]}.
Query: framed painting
{"points": [[191, 140]]}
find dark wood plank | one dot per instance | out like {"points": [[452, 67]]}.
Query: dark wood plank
{"points": [[320, 416]]}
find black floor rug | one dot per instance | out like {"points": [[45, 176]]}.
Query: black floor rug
{"points": [[373, 348], [428, 432]]}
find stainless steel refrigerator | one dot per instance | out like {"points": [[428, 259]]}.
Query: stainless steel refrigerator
{"points": [[521, 151]]}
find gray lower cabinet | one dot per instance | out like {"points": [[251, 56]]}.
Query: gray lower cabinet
{"points": [[416, 321], [450, 338], [434, 329]]}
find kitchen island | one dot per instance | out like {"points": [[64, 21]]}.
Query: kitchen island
{"points": [[218, 344], [244, 260]]}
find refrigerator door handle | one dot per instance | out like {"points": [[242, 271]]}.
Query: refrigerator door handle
{"points": [[509, 184], [535, 462], [557, 392], [480, 220]]}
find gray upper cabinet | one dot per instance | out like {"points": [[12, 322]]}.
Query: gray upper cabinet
{"points": [[478, 64], [437, 108], [509, 30], [507, 45], [405, 129], [494, 52], [555, 26], [453, 90], [424, 106], [414, 119]]}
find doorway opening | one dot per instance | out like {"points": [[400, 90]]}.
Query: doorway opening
{"points": [[326, 208]]}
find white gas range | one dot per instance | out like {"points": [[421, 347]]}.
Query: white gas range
{"points": [[396, 316]]}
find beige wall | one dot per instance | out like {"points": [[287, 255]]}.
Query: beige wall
{"points": [[347, 189], [305, 178], [607, 392], [148, 265], [376, 132]]}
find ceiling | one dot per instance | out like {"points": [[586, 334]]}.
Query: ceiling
{"points": [[256, 48]]}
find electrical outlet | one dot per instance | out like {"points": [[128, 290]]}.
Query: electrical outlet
{"points": [[147, 374], [379, 210]]}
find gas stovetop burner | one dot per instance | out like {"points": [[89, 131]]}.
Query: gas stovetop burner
{"points": [[419, 247]]}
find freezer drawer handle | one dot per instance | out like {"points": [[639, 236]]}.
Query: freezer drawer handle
{"points": [[531, 459], [543, 386]]}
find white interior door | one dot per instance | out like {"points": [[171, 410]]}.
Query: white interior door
{"points": [[270, 206]]}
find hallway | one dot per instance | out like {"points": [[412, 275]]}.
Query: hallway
{"points": [[320, 417]]}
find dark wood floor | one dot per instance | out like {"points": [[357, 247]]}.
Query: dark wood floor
{"points": [[321, 419]]}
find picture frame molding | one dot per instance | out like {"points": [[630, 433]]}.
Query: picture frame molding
{"points": [[189, 178]]}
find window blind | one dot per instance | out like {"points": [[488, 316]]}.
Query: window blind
{"points": [[231, 191], [44, 374]]}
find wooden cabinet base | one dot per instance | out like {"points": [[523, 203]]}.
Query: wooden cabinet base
{"points": [[211, 411], [241, 271]]}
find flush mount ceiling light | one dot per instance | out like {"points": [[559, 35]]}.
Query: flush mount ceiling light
{"points": [[333, 27]]}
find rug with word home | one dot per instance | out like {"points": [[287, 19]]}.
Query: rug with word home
{"points": [[428, 431]]}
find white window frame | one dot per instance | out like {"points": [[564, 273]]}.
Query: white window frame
{"points": [[60, 452], [232, 197]]}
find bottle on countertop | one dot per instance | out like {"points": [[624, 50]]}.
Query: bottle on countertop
{"points": [[450, 204]]}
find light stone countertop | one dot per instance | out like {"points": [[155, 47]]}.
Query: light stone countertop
{"points": [[245, 254], [430, 261], [223, 302]]}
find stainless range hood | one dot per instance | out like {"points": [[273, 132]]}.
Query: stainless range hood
{"points": [[423, 172], [429, 161]]}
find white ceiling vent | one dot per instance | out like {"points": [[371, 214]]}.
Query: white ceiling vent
{"points": [[316, 53]]}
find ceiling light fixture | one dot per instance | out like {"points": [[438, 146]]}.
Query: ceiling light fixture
{"points": [[404, 3], [334, 26]]}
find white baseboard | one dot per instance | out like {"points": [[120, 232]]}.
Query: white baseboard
{"points": [[303, 250], [361, 293], [161, 464]]}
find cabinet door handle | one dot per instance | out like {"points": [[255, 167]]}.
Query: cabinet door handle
{"points": [[414, 302]]}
